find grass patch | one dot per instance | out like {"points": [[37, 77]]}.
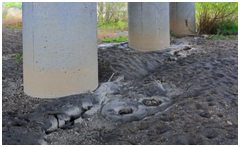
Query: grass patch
{"points": [[172, 35], [121, 38], [104, 34], [120, 25], [18, 58], [218, 37], [4, 14], [106, 31], [234, 37], [12, 23]]}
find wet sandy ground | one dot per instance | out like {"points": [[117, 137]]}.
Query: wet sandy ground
{"points": [[184, 95]]}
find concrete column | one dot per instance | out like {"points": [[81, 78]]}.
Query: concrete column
{"points": [[59, 49], [148, 26], [182, 18]]}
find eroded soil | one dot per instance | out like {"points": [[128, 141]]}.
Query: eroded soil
{"points": [[187, 94]]}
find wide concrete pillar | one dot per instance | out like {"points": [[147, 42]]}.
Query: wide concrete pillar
{"points": [[59, 48], [182, 18], [148, 26]]}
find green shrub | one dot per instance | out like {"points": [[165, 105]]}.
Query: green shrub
{"points": [[109, 12], [13, 4], [217, 17], [122, 25], [112, 15], [225, 28]]}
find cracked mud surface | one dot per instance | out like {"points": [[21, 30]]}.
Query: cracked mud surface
{"points": [[184, 95]]}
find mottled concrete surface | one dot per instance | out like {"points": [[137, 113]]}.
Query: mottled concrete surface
{"points": [[148, 26], [182, 18], [59, 48]]}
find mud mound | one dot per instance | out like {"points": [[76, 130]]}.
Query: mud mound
{"points": [[187, 94]]}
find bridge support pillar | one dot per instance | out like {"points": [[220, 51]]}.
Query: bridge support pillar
{"points": [[59, 49], [182, 18], [148, 26]]}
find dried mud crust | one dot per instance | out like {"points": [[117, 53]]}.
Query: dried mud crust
{"points": [[188, 96]]}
